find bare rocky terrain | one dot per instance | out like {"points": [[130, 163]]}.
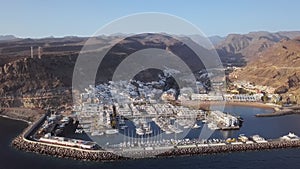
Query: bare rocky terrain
{"points": [[239, 49], [278, 67], [46, 80], [265, 58]]}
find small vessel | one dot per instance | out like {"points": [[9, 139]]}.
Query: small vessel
{"points": [[121, 121], [111, 131], [175, 129], [139, 131], [243, 138], [196, 126], [97, 133], [144, 129], [212, 126], [123, 127], [148, 129], [181, 122], [258, 139], [79, 131], [230, 140], [136, 121], [240, 121], [290, 137], [172, 118], [168, 132]]}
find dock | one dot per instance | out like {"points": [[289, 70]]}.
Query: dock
{"points": [[282, 112], [185, 147]]}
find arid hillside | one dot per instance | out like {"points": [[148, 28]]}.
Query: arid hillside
{"points": [[277, 66]]}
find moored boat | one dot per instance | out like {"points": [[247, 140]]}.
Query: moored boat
{"points": [[111, 131]]}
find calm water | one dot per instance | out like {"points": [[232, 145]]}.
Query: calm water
{"points": [[267, 127]]}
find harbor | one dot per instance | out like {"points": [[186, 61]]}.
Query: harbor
{"points": [[63, 161], [153, 148]]}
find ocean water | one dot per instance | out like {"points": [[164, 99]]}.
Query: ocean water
{"points": [[272, 127]]}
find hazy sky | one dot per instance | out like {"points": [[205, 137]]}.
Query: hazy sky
{"points": [[41, 18]]}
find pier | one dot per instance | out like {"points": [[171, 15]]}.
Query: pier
{"points": [[102, 155], [282, 112], [183, 149]]}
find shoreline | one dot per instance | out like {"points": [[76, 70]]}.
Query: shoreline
{"points": [[248, 104], [205, 104], [26, 115], [276, 109], [17, 119]]}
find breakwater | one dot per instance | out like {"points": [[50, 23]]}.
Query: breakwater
{"points": [[103, 155], [282, 112], [24, 142], [56, 151], [232, 148]]}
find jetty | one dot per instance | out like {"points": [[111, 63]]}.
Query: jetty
{"points": [[182, 148], [103, 155], [281, 112]]}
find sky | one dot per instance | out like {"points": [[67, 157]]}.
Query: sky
{"points": [[43, 18]]}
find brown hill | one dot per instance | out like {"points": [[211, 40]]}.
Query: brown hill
{"points": [[277, 66], [44, 81], [238, 49]]}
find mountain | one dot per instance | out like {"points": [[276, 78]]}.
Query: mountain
{"points": [[238, 49], [216, 39], [277, 66], [7, 37], [266, 58], [47, 80], [201, 40], [44, 81]]}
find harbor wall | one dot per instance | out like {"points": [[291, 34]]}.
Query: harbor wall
{"points": [[233, 148], [23, 142], [103, 155]]}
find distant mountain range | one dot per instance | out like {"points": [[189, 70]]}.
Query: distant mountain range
{"points": [[7, 37], [266, 58], [241, 48]]}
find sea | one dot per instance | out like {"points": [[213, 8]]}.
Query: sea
{"points": [[269, 127]]}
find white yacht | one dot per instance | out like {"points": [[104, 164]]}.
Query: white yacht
{"points": [[258, 139], [196, 126], [212, 126], [111, 131], [168, 132], [148, 129], [290, 137], [174, 129], [123, 127], [139, 131], [97, 133]]}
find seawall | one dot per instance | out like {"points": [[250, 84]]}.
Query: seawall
{"points": [[103, 155]]}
